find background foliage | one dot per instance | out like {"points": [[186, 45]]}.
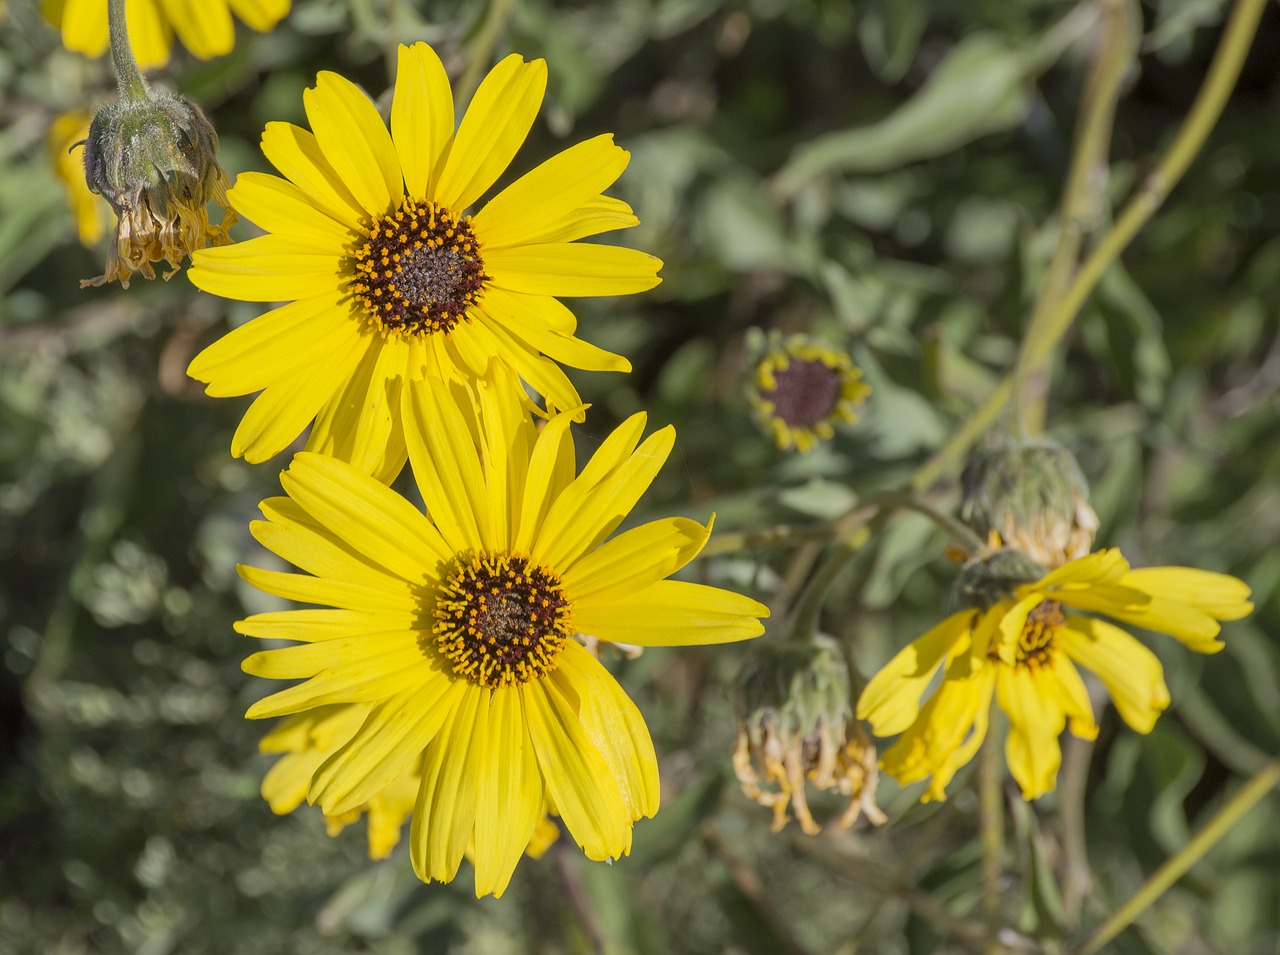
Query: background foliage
{"points": [[884, 174]]}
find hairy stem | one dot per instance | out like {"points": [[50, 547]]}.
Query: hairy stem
{"points": [[129, 79]]}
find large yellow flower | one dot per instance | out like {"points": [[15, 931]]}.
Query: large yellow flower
{"points": [[205, 27], [392, 282], [1023, 650], [456, 628]]}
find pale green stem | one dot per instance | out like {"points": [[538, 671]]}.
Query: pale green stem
{"points": [[1077, 877], [481, 52], [991, 824], [1174, 868], [129, 79]]}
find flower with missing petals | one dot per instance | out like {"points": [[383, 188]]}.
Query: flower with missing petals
{"points": [[1018, 644], [455, 629], [390, 280]]}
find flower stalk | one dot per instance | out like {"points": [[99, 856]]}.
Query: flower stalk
{"points": [[129, 79]]}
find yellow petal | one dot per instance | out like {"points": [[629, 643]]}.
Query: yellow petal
{"points": [[601, 214], [506, 443], [1101, 567], [295, 152], [310, 626], [360, 424], [572, 269], [260, 15], [204, 28], [293, 534], [355, 141], [1131, 673], [563, 348], [544, 376], [277, 205], [636, 558], [930, 745], [150, 33], [270, 268], [671, 613], [363, 681], [421, 117], [1073, 695], [375, 652], [332, 593], [492, 131], [946, 770], [525, 209], [509, 799], [1036, 720], [585, 513], [373, 519], [551, 467], [444, 818], [578, 780], [891, 700], [614, 725], [518, 309], [389, 741], [285, 784]]}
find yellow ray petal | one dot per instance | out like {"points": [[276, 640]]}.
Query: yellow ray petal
{"points": [[311, 626], [551, 467], [1074, 697], [363, 682], [601, 214], [204, 28], [506, 443], [355, 141], [295, 152], [332, 593], [510, 800], [944, 772], [636, 558], [444, 818], [891, 701], [372, 652], [389, 741], [421, 117], [270, 268], [578, 780], [359, 424], [942, 732], [260, 15], [285, 784], [534, 310], [291, 533], [277, 205], [544, 376], [273, 347], [570, 269], [1100, 567], [672, 613], [1036, 720], [526, 208], [565, 349], [492, 131], [614, 725], [369, 516], [584, 515], [1131, 673]]}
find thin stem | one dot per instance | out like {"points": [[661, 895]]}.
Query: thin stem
{"points": [[1204, 114], [129, 79], [482, 52], [991, 822], [1077, 876], [1174, 868], [959, 531], [809, 604], [566, 863], [1120, 31], [748, 882]]}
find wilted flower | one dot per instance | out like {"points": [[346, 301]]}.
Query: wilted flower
{"points": [[795, 723], [800, 390], [1032, 496], [1015, 642], [155, 159]]}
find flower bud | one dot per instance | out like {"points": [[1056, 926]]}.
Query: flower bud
{"points": [[992, 577], [155, 159], [1032, 495], [795, 723], [799, 390]]}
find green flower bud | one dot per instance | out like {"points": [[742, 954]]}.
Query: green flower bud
{"points": [[1031, 496], [795, 723], [992, 577], [154, 157]]}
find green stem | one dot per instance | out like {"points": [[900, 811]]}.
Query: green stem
{"points": [[991, 822], [482, 52], [1174, 868], [1077, 876], [129, 79]]}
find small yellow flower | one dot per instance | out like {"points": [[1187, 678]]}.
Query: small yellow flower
{"points": [[1022, 649], [204, 27], [389, 280], [66, 143], [801, 390], [456, 627]]}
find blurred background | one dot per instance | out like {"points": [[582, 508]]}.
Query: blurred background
{"points": [[883, 174]]}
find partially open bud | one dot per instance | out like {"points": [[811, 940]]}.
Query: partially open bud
{"points": [[155, 159], [800, 390], [1032, 495], [795, 723], [992, 577]]}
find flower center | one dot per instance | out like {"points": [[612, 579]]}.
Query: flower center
{"points": [[420, 270], [1036, 642], [805, 393], [501, 620]]}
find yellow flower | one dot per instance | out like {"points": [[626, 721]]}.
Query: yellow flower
{"points": [[1023, 650], [800, 390], [66, 143], [205, 28], [456, 628], [391, 281]]}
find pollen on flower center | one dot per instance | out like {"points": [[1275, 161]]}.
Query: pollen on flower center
{"points": [[420, 269], [804, 393], [1036, 642], [501, 619]]}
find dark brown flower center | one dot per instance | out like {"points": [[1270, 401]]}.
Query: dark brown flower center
{"points": [[420, 270], [805, 393], [501, 620]]}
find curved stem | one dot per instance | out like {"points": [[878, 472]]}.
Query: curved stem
{"points": [[129, 79]]}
